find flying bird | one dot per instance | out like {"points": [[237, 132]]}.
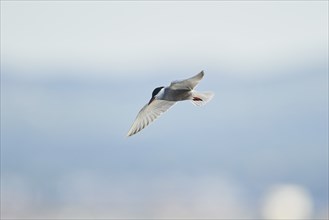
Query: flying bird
{"points": [[165, 97]]}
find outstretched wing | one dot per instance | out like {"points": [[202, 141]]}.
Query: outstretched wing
{"points": [[148, 114], [187, 84]]}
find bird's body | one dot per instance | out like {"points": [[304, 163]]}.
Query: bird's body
{"points": [[175, 94], [165, 97]]}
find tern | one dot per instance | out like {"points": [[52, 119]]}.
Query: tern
{"points": [[165, 97]]}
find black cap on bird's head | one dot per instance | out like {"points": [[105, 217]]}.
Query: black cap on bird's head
{"points": [[155, 92]]}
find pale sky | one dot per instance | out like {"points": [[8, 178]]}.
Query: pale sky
{"points": [[74, 74], [137, 36]]}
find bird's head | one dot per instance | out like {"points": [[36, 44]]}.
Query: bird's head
{"points": [[155, 92]]}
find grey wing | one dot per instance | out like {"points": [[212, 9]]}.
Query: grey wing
{"points": [[148, 114], [187, 84]]}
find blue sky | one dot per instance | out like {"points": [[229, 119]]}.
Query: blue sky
{"points": [[75, 74]]}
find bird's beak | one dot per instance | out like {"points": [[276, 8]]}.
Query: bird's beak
{"points": [[151, 100]]}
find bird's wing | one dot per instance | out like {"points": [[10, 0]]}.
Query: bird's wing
{"points": [[148, 114], [187, 84]]}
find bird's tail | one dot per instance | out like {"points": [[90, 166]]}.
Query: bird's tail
{"points": [[201, 98]]}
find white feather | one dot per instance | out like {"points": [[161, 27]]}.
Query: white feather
{"points": [[149, 113]]}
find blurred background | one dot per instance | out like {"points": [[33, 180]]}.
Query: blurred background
{"points": [[75, 74]]}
